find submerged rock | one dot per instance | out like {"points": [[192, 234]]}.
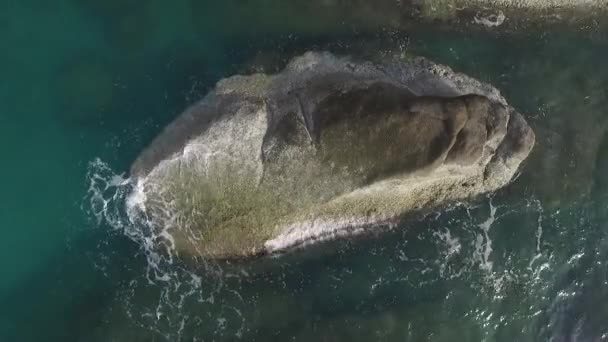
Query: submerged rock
{"points": [[83, 89], [328, 148]]}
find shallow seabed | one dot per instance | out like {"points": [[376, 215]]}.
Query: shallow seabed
{"points": [[87, 84]]}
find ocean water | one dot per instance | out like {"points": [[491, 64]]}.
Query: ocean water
{"points": [[87, 84]]}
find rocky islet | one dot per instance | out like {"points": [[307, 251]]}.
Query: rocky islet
{"points": [[329, 148]]}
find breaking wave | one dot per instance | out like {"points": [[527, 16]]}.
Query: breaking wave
{"points": [[115, 203]]}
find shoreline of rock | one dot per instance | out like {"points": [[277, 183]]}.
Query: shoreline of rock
{"points": [[514, 16]]}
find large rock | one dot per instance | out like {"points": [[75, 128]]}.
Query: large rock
{"points": [[328, 148]]}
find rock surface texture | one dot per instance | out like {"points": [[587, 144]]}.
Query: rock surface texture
{"points": [[328, 148]]}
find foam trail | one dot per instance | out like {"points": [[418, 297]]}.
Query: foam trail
{"points": [[453, 247], [483, 244], [116, 202], [538, 234]]}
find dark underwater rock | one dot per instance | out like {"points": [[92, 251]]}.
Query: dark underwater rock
{"points": [[329, 148], [83, 89]]}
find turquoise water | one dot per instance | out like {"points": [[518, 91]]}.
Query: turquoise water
{"points": [[86, 85]]}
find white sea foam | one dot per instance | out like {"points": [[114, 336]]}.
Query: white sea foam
{"points": [[118, 203], [492, 20], [136, 201], [483, 243], [452, 247], [533, 265]]}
